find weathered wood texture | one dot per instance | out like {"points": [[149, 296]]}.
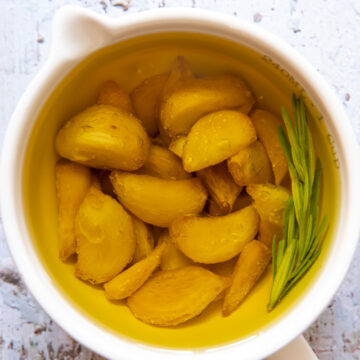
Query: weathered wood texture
{"points": [[325, 32]]}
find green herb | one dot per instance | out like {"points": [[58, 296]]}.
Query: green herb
{"points": [[302, 236]]}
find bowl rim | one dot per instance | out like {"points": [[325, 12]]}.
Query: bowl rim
{"points": [[169, 20]]}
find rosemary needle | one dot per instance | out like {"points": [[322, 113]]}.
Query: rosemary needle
{"points": [[302, 236]]}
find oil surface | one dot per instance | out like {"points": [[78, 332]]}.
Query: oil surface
{"points": [[129, 63]]}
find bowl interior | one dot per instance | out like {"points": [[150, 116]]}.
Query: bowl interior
{"points": [[129, 62]]}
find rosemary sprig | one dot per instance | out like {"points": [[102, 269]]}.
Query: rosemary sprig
{"points": [[302, 236]]}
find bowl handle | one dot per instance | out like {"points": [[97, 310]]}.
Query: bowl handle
{"points": [[298, 349], [76, 32]]}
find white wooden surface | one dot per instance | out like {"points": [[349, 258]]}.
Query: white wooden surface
{"points": [[326, 32]]}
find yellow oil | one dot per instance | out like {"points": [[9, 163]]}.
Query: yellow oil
{"points": [[129, 63]]}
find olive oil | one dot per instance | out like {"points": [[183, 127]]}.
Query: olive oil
{"points": [[128, 63]]}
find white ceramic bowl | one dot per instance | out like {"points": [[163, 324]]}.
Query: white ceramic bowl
{"points": [[76, 34]]}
